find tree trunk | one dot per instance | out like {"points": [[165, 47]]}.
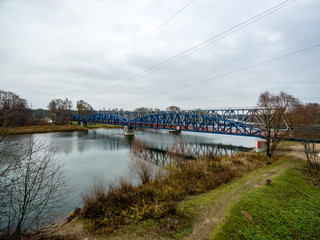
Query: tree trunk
{"points": [[268, 149]]}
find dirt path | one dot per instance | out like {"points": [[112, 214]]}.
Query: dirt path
{"points": [[214, 213], [70, 231], [296, 151]]}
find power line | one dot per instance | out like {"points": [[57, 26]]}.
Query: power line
{"points": [[201, 45], [148, 35], [235, 71], [141, 40]]}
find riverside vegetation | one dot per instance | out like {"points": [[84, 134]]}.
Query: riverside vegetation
{"points": [[154, 202], [177, 202], [191, 197]]}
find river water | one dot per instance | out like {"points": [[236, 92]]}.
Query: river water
{"points": [[105, 153]]}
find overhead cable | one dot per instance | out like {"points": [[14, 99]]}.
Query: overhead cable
{"points": [[200, 45], [234, 71]]}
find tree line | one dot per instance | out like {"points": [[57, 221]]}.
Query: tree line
{"points": [[285, 117], [61, 110], [16, 111]]}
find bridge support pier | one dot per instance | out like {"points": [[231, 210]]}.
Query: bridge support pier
{"points": [[175, 131], [128, 131], [261, 145]]}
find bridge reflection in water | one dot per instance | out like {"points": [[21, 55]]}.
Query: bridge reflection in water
{"points": [[165, 154], [153, 146]]}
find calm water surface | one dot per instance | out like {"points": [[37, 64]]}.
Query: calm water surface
{"points": [[105, 152]]}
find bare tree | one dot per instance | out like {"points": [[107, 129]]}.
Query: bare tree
{"points": [[7, 147], [60, 110], [276, 124], [173, 108], [307, 129], [33, 189], [84, 108], [312, 151], [14, 111], [145, 109], [142, 109]]}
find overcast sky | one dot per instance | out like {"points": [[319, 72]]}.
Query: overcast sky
{"points": [[114, 53]]}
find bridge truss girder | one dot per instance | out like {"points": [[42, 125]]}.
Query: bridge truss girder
{"points": [[251, 116], [175, 121]]}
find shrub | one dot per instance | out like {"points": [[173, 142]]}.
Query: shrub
{"points": [[157, 197]]}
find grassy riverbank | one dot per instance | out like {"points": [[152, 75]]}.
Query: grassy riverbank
{"points": [[288, 209], [41, 129], [153, 207], [239, 208], [52, 128]]}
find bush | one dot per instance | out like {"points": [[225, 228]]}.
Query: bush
{"points": [[157, 198]]}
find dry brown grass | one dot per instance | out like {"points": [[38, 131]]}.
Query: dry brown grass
{"points": [[41, 129], [125, 204]]}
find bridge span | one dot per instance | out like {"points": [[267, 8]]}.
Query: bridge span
{"points": [[242, 121]]}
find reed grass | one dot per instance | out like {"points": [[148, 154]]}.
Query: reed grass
{"points": [[41, 129], [125, 204]]}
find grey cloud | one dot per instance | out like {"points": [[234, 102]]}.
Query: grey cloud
{"points": [[83, 49]]}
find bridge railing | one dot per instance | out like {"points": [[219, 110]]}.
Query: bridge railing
{"points": [[250, 116], [179, 120]]}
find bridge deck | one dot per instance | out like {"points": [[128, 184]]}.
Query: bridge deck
{"points": [[183, 121]]}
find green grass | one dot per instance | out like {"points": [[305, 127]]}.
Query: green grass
{"points": [[200, 204], [289, 209]]}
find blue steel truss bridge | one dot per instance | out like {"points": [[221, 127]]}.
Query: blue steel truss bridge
{"points": [[236, 121]]}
